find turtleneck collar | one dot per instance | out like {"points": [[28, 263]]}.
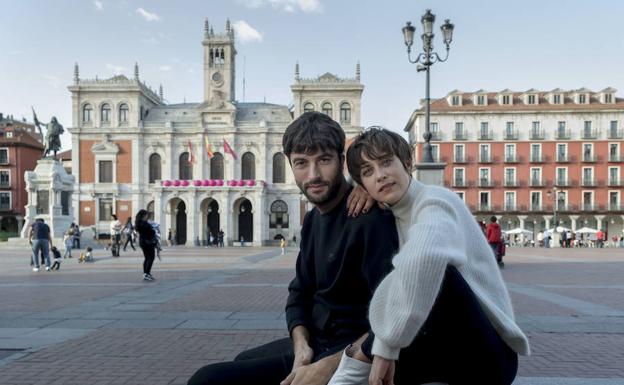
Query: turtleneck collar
{"points": [[402, 210]]}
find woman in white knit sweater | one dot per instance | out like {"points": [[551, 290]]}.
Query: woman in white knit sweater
{"points": [[443, 314]]}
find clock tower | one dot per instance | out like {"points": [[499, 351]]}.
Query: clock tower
{"points": [[219, 65]]}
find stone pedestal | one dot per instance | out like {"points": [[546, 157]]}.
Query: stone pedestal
{"points": [[430, 173], [49, 189]]}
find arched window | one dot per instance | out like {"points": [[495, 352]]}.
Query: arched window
{"points": [[248, 166], [327, 109], [308, 107], [123, 113], [345, 113], [216, 166], [154, 168], [279, 174], [87, 110], [279, 215], [186, 168], [105, 113]]}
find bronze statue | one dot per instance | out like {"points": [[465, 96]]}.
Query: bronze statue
{"points": [[52, 140]]}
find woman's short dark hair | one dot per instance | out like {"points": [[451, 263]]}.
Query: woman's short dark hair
{"points": [[313, 131], [139, 217], [376, 143]]}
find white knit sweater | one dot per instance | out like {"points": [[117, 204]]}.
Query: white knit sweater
{"points": [[436, 229]]}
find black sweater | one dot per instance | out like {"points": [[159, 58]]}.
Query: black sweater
{"points": [[340, 263]]}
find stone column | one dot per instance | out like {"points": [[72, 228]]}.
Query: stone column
{"points": [[599, 219], [191, 218], [522, 218], [574, 218]]}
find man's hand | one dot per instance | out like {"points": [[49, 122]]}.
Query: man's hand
{"points": [[382, 372], [318, 373], [359, 201], [303, 356]]}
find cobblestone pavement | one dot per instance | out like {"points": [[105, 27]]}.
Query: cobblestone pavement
{"points": [[99, 323]]}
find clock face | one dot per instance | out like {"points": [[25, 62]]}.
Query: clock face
{"points": [[217, 77]]}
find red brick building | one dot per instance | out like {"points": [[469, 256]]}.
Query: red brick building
{"points": [[20, 148], [528, 156]]}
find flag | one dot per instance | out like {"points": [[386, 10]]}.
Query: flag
{"points": [[208, 148], [191, 159], [228, 150]]}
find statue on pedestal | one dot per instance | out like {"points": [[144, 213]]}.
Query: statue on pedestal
{"points": [[53, 134]]}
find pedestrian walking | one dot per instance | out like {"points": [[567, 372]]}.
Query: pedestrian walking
{"points": [[282, 245], [40, 238], [68, 242], [128, 233], [494, 237], [169, 238], [147, 242], [221, 236], [76, 237], [57, 258]]}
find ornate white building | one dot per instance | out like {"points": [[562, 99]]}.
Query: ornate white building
{"points": [[131, 150]]}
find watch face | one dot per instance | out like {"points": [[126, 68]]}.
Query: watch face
{"points": [[217, 77]]}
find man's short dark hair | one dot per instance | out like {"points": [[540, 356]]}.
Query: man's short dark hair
{"points": [[311, 132], [493, 219], [376, 143]]}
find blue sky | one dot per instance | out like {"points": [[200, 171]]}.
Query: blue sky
{"points": [[497, 45]]}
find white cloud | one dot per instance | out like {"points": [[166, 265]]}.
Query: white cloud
{"points": [[117, 70], [150, 41], [148, 16], [54, 81], [98, 5], [246, 33], [164, 68], [15, 52], [289, 6]]}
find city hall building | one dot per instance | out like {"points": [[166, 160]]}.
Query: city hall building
{"points": [[197, 167], [528, 157]]}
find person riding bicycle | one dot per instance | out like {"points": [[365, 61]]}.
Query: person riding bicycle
{"points": [[115, 235]]}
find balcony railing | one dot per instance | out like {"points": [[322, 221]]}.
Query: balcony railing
{"points": [[5, 207], [614, 182], [485, 207], [485, 135], [536, 182], [511, 135], [563, 134], [537, 158], [590, 207], [460, 135], [459, 159], [485, 158], [484, 182], [537, 135], [510, 207], [589, 134], [590, 158], [615, 134], [563, 158], [459, 182], [511, 183], [535, 207], [616, 207], [560, 182], [511, 159], [615, 158], [436, 135], [588, 182]]}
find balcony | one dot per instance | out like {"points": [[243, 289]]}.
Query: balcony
{"points": [[615, 134], [589, 134], [614, 183], [563, 158], [537, 135], [460, 159], [511, 159], [485, 158], [460, 135], [484, 182], [511, 135], [589, 158], [458, 182], [562, 134], [510, 207], [566, 207], [536, 207], [485, 135], [616, 207], [436, 136], [591, 207], [561, 182], [511, 183], [588, 182], [537, 158], [536, 182], [485, 207], [616, 158]]}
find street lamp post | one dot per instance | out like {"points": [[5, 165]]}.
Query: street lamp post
{"points": [[424, 60]]}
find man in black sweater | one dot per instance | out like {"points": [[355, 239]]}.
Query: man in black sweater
{"points": [[341, 261]]}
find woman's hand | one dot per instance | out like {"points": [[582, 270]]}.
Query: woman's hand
{"points": [[382, 372], [359, 201]]}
